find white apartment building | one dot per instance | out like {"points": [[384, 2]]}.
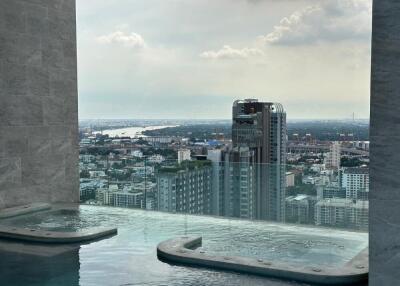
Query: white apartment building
{"points": [[290, 179], [183, 155], [156, 158], [137, 153], [361, 145], [342, 213], [123, 199], [356, 182]]}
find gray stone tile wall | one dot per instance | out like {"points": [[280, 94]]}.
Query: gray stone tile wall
{"points": [[38, 102], [384, 230]]}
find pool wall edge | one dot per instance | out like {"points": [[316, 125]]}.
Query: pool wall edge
{"points": [[44, 236], [180, 251], [23, 210]]}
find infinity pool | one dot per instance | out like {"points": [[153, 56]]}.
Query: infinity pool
{"points": [[130, 257]]}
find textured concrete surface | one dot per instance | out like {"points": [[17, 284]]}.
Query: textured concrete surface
{"points": [[23, 210], [38, 102], [44, 236], [384, 150], [180, 250]]}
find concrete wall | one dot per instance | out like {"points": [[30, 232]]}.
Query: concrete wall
{"points": [[38, 102], [385, 145]]}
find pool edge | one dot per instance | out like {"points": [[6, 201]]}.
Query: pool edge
{"points": [[55, 237], [180, 251], [24, 210], [47, 236]]}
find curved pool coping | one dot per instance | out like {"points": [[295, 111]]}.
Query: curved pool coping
{"points": [[44, 236], [181, 251], [23, 210]]}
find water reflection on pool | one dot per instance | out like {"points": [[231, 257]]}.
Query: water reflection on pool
{"points": [[130, 257]]}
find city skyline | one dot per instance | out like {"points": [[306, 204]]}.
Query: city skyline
{"points": [[253, 171], [180, 60]]}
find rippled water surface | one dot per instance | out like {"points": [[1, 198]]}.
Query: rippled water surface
{"points": [[130, 257]]}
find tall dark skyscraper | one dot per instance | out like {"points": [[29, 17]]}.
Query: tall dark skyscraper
{"points": [[260, 128]]}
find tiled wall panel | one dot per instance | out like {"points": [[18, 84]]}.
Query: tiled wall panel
{"points": [[38, 102], [384, 151]]}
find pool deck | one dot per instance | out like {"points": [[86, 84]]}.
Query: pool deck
{"points": [[181, 251]]}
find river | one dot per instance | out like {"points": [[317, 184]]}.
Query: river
{"points": [[133, 132]]}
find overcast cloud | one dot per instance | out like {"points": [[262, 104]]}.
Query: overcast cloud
{"points": [[131, 40], [191, 59], [328, 21]]}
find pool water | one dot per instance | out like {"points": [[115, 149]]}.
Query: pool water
{"points": [[130, 257]]}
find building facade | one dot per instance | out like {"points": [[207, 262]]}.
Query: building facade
{"points": [[300, 209], [240, 183], [261, 127], [185, 188], [356, 182], [333, 157], [342, 213], [183, 155]]}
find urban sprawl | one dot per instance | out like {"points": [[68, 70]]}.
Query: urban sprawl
{"points": [[254, 173]]}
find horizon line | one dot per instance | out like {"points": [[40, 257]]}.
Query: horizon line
{"points": [[225, 119]]}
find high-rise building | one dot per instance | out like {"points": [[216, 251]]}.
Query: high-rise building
{"points": [[332, 160], [218, 190], [185, 188], [240, 183], [261, 127]]}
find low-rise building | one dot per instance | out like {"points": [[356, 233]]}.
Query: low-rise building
{"points": [[97, 174], [344, 213], [290, 179], [137, 153], [122, 199], [300, 209], [356, 182], [156, 158]]}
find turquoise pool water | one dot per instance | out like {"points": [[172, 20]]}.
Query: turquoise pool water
{"points": [[130, 257]]}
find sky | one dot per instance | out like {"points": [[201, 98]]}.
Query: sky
{"points": [[190, 59]]}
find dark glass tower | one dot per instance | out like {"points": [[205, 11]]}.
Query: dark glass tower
{"points": [[261, 127]]}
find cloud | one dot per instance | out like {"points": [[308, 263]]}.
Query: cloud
{"points": [[131, 40], [329, 21], [227, 52]]}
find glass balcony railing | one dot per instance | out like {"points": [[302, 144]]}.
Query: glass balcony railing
{"points": [[307, 194], [306, 222], [303, 214]]}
